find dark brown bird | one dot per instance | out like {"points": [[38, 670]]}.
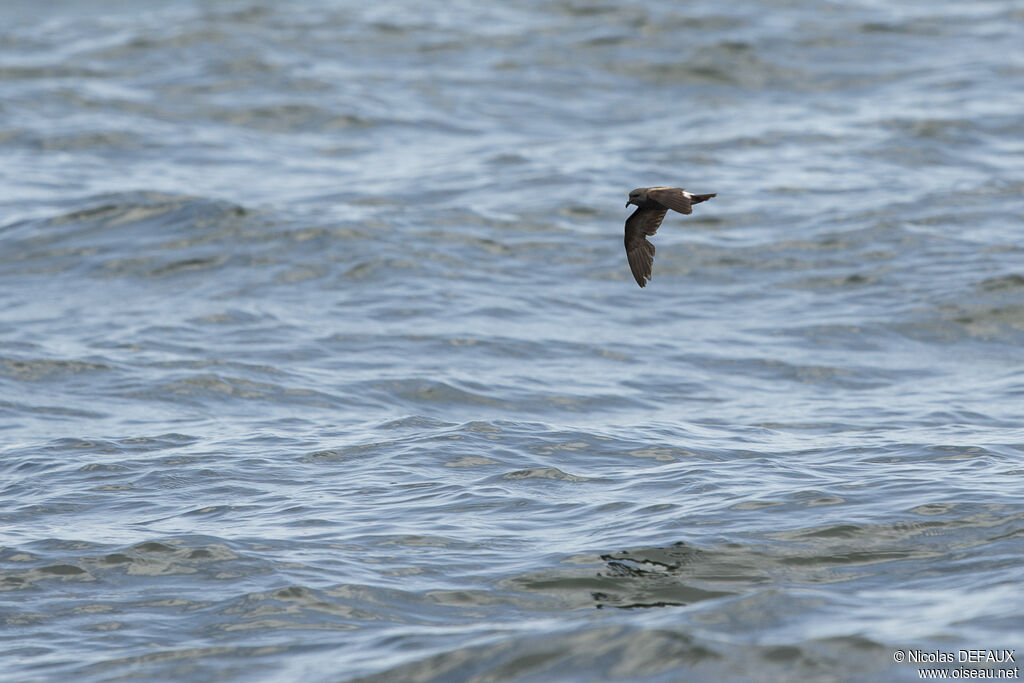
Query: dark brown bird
{"points": [[652, 203]]}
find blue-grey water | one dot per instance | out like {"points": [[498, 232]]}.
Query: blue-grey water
{"points": [[320, 358]]}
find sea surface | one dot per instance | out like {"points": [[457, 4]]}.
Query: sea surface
{"points": [[320, 359]]}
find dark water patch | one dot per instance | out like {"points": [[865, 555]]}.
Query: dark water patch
{"points": [[13, 409], [38, 370], [99, 141], [1013, 281], [628, 650], [544, 473], [291, 118], [207, 387], [47, 72], [114, 238]]}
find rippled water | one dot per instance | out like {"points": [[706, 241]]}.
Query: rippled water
{"points": [[320, 358]]}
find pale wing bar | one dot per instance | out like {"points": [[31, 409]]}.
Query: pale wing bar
{"points": [[675, 198]]}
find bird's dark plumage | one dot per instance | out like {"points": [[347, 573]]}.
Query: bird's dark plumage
{"points": [[652, 203]]}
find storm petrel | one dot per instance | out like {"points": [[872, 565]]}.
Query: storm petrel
{"points": [[652, 203]]}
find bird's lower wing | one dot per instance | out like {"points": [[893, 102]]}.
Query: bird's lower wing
{"points": [[639, 251], [640, 254]]}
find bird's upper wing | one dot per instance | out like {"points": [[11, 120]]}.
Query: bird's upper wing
{"points": [[640, 252], [674, 198]]}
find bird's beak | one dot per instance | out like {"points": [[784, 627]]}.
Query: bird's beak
{"points": [[627, 203]]}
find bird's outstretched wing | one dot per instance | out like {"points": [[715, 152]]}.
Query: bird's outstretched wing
{"points": [[675, 198], [640, 252]]}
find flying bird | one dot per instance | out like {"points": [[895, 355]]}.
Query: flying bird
{"points": [[652, 203]]}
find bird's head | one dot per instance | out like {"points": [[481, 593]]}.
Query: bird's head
{"points": [[637, 196]]}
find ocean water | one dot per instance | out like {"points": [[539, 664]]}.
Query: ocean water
{"points": [[320, 359]]}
